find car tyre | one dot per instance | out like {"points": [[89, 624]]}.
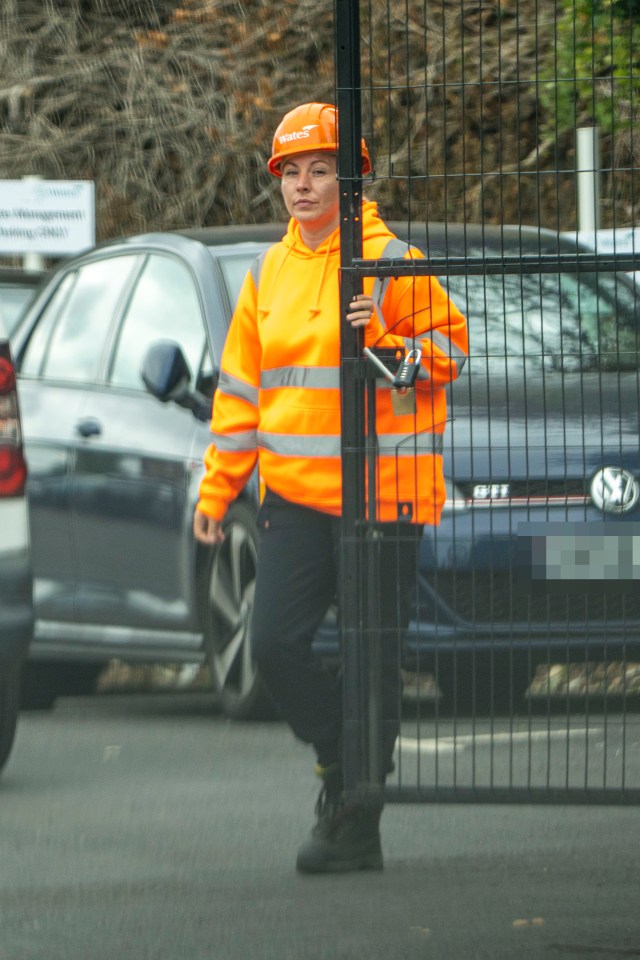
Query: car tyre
{"points": [[9, 707], [228, 603]]}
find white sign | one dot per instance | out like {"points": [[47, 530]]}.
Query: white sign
{"points": [[49, 217]]}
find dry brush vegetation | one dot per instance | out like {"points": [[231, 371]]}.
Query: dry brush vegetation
{"points": [[170, 107]]}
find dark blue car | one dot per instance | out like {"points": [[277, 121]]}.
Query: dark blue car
{"points": [[542, 460]]}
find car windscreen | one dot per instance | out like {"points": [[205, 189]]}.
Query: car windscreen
{"points": [[557, 321]]}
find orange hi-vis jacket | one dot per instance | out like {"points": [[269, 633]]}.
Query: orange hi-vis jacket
{"points": [[278, 398]]}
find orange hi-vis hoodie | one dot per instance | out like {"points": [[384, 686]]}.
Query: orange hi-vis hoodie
{"points": [[278, 398]]}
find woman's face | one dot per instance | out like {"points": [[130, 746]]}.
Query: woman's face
{"points": [[311, 192]]}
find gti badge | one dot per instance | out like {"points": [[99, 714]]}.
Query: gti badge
{"points": [[491, 491], [614, 490]]}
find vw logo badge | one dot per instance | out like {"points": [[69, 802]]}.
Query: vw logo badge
{"points": [[614, 490]]}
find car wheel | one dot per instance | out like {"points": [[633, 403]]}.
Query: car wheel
{"points": [[230, 587], [9, 705]]}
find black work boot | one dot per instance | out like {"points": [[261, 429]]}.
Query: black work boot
{"points": [[346, 835]]}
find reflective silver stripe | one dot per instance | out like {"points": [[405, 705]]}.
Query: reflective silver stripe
{"points": [[394, 248], [286, 445], [234, 387], [313, 378], [409, 444], [389, 444], [441, 340], [239, 442]]}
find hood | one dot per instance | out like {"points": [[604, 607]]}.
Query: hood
{"points": [[326, 256]]}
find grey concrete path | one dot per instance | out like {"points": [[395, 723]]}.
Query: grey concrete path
{"points": [[149, 828]]}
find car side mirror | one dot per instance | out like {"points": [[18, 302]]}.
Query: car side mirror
{"points": [[166, 375], [165, 371]]}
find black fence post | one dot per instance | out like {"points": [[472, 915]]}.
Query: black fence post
{"points": [[359, 547]]}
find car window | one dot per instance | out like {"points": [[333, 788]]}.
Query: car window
{"points": [[234, 270], [33, 357], [68, 340], [207, 379], [164, 306], [565, 321]]}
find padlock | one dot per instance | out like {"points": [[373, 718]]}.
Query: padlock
{"points": [[408, 371], [403, 401]]}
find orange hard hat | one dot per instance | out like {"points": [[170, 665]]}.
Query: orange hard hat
{"points": [[311, 126]]}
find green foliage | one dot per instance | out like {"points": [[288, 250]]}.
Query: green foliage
{"points": [[591, 73]]}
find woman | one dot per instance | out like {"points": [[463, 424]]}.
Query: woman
{"points": [[278, 404]]}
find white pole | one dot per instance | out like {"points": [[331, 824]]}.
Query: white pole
{"points": [[588, 177], [33, 262]]}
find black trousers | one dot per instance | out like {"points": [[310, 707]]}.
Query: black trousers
{"points": [[297, 581]]}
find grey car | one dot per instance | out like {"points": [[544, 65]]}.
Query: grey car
{"points": [[16, 607], [114, 473], [543, 440], [18, 287]]}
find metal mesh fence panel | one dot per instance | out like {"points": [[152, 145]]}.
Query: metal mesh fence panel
{"points": [[503, 148]]}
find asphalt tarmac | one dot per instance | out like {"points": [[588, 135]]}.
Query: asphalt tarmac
{"points": [[150, 828]]}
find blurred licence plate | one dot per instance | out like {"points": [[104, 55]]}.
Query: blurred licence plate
{"points": [[575, 557]]}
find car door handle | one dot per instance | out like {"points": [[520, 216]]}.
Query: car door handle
{"points": [[89, 427]]}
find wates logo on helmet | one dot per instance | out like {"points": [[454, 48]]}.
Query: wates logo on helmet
{"points": [[298, 134]]}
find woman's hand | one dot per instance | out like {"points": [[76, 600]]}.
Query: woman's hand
{"points": [[207, 530], [360, 310]]}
